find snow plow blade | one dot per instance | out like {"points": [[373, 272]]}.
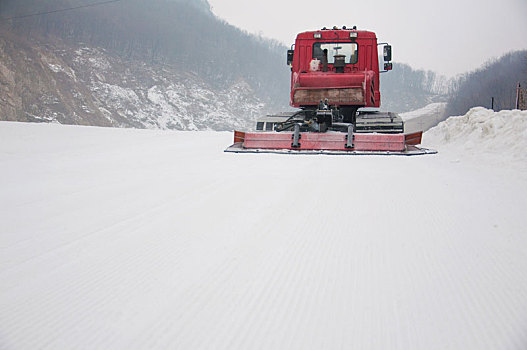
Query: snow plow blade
{"points": [[328, 143]]}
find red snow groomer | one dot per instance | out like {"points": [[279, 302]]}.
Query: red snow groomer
{"points": [[335, 83]]}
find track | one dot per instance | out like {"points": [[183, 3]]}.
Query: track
{"points": [[147, 239]]}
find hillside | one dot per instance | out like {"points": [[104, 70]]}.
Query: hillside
{"points": [[91, 86], [164, 64], [405, 89]]}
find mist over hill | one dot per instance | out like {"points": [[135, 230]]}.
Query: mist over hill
{"points": [[404, 89]]}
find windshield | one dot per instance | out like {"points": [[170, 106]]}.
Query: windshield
{"points": [[347, 49]]}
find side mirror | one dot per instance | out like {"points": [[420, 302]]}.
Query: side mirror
{"points": [[387, 53], [388, 66], [290, 54]]}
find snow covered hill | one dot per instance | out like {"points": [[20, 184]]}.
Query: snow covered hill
{"points": [[134, 239], [84, 85]]}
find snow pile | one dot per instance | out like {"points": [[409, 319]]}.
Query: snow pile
{"points": [[497, 135]]}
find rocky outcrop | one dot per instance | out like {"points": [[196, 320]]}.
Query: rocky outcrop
{"points": [[50, 81]]}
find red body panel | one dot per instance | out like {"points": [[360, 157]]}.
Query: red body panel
{"points": [[413, 139], [363, 74], [322, 80]]}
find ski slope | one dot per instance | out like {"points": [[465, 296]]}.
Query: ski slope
{"points": [[142, 239]]}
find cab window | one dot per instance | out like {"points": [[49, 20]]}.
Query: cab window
{"points": [[347, 49]]}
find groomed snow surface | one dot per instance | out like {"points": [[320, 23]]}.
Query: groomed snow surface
{"points": [[139, 239]]}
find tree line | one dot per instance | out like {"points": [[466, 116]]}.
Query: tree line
{"points": [[497, 80], [491, 86]]}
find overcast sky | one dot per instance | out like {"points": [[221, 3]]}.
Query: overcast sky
{"points": [[446, 36]]}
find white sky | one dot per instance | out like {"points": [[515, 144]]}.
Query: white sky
{"points": [[446, 36]]}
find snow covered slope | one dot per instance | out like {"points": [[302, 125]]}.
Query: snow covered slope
{"points": [[84, 85], [135, 239]]}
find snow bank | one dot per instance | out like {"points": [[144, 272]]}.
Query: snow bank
{"points": [[499, 136], [424, 118]]}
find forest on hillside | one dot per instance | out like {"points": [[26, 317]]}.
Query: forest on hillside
{"points": [[177, 32], [497, 79], [495, 82]]}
